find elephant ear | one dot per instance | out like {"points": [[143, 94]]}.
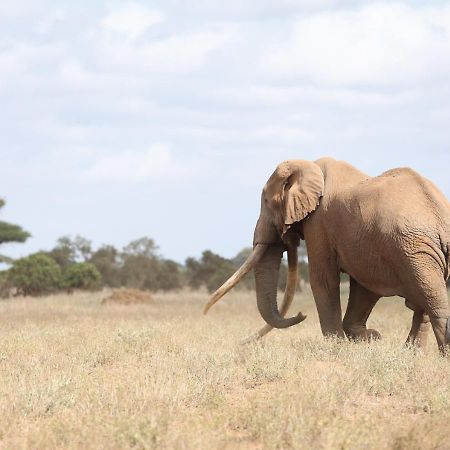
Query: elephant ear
{"points": [[302, 186]]}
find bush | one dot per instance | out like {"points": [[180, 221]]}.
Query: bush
{"points": [[82, 276], [36, 274]]}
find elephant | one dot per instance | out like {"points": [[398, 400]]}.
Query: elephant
{"points": [[389, 233]]}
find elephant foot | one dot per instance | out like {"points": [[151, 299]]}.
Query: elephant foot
{"points": [[367, 335]]}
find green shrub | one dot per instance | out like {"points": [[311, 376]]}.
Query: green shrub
{"points": [[36, 274], [82, 276]]}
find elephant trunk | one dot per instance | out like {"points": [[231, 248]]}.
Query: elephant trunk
{"points": [[266, 277], [291, 285]]}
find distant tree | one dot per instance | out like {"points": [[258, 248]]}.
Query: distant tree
{"points": [[82, 276], [36, 274], [107, 261], [10, 233], [139, 268], [69, 251], [211, 270], [169, 275], [62, 253], [143, 268], [139, 272], [141, 247], [83, 248]]}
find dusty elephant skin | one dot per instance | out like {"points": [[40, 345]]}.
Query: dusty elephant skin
{"points": [[390, 234]]}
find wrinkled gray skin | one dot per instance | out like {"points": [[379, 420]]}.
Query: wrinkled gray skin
{"points": [[390, 234]]}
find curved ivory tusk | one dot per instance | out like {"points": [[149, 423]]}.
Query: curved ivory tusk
{"points": [[248, 265], [289, 293]]}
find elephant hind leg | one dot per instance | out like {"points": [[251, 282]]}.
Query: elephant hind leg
{"points": [[360, 304], [432, 298], [420, 327]]}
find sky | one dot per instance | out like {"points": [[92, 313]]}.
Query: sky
{"points": [[165, 118]]}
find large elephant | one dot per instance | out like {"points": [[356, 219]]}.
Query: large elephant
{"points": [[390, 234]]}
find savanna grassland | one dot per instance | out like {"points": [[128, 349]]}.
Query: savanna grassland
{"points": [[78, 374]]}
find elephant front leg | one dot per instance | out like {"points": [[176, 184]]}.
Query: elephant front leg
{"points": [[420, 327], [326, 293], [360, 304]]}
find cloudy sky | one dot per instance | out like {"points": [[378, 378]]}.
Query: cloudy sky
{"points": [[164, 118]]}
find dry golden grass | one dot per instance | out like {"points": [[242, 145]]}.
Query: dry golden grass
{"points": [[127, 296], [78, 374]]}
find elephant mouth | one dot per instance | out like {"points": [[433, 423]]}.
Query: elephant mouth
{"points": [[265, 260]]}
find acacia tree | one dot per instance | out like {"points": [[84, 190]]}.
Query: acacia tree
{"points": [[10, 233]]}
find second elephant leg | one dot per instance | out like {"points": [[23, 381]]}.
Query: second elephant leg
{"points": [[420, 327], [360, 304]]}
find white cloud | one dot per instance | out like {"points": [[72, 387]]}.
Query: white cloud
{"points": [[18, 9], [18, 58], [376, 44], [176, 53], [74, 73], [131, 20], [47, 23], [251, 8], [132, 166], [55, 129], [273, 95], [155, 164], [261, 135], [122, 91]]}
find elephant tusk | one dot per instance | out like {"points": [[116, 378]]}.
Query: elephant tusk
{"points": [[248, 265]]}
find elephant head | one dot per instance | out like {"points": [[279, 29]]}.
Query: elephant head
{"points": [[290, 195]]}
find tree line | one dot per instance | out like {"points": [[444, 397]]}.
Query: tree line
{"points": [[73, 263]]}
